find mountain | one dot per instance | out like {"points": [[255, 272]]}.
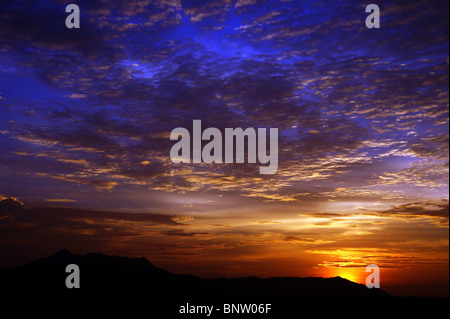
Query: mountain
{"points": [[112, 275]]}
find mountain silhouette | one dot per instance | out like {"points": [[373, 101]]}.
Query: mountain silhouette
{"points": [[112, 275]]}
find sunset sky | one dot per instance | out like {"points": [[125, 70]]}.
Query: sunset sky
{"points": [[86, 114]]}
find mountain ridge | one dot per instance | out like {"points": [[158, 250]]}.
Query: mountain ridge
{"points": [[101, 274]]}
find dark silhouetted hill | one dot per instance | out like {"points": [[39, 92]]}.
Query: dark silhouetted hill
{"points": [[112, 275]]}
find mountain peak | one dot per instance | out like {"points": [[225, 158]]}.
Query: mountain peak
{"points": [[63, 252]]}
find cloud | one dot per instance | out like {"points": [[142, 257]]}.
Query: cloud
{"points": [[294, 239], [419, 210], [242, 3], [182, 233], [422, 173], [270, 70], [10, 206], [54, 215], [77, 96], [435, 147], [60, 200]]}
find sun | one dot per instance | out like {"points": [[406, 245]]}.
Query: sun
{"points": [[352, 274], [348, 274]]}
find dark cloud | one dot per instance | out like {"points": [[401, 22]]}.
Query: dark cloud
{"points": [[419, 209], [432, 147], [182, 233], [41, 230], [52, 216]]}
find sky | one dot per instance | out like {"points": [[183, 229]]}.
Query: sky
{"points": [[362, 115]]}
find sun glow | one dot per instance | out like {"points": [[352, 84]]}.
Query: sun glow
{"points": [[352, 274]]}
